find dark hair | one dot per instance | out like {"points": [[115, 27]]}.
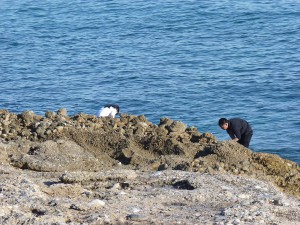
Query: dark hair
{"points": [[117, 108], [114, 106], [222, 121]]}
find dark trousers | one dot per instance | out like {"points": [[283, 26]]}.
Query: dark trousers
{"points": [[245, 139]]}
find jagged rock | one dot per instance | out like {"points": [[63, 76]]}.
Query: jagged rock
{"points": [[177, 127], [50, 115], [91, 143], [86, 170], [62, 112]]}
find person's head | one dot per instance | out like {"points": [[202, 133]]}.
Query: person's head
{"points": [[223, 123], [114, 106], [117, 108]]}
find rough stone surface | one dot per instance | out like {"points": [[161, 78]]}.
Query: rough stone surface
{"points": [[80, 169], [125, 196]]}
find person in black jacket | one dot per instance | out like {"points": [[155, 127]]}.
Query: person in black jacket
{"points": [[238, 129]]}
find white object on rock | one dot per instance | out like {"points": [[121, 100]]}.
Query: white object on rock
{"points": [[96, 203]]}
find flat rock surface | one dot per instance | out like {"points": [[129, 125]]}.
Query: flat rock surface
{"points": [[122, 196]]}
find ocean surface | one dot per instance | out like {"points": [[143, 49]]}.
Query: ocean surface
{"points": [[193, 61]]}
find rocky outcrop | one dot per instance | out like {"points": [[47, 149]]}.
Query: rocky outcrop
{"points": [[57, 142], [60, 169]]}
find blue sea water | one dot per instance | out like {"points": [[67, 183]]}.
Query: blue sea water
{"points": [[193, 61]]}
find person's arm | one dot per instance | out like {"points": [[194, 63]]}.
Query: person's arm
{"points": [[232, 134], [113, 112], [237, 134]]}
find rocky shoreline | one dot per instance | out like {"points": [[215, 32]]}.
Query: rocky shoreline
{"points": [[60, 169]]}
